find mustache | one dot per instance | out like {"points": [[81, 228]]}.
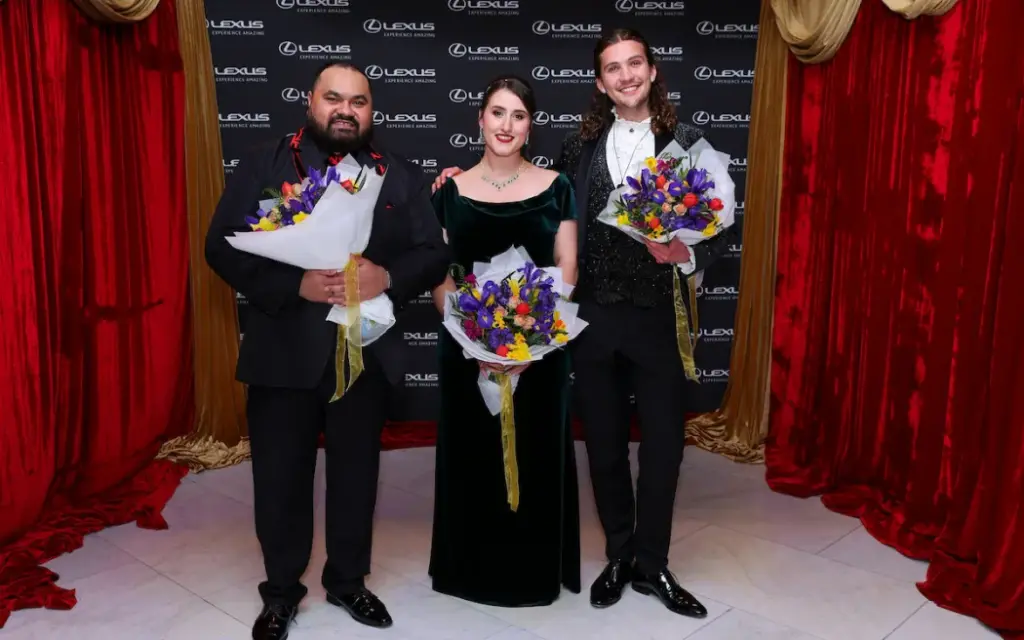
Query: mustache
{"points": [[343, 118]]}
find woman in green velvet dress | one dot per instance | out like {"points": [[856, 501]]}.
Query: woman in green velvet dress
{"points": [[482, 550]]}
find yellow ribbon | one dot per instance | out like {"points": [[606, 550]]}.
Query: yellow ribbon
{"points": [[508, 441], [684, 340], [355, 353]]}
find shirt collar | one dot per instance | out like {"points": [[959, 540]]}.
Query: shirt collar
{"points": [[622, 121]]}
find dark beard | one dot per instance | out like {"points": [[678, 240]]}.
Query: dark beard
{"points": [[331, 142]]}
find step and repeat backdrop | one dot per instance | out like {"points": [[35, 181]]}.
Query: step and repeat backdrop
{"points": [[429, 61]]}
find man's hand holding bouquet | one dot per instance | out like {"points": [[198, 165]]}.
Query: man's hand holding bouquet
{"points": [[679, 196], [324, 224]]}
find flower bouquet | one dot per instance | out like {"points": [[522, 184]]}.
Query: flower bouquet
{"points": [[320, 224], [679, 194], [509, 312], [687, 195]]}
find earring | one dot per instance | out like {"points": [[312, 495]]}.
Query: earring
{"points": [[527, 143]]}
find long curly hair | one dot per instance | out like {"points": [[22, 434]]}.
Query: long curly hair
{"points": [[599, 116]]}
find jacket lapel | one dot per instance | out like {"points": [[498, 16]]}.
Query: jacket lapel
{"points": [[583, 171], [661, 141]]}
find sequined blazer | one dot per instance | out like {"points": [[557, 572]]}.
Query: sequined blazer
{"points": [[613, 267]]}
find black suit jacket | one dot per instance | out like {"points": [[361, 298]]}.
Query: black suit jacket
{"points": [[288, 341], [576, 160]]}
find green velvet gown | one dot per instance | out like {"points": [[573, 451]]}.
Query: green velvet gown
{"points": [[481, 550]]}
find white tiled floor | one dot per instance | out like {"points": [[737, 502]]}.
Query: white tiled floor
{"points": [[767, 566]]}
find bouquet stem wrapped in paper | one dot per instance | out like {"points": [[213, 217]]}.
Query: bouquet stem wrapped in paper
{"points": [[687, 195], [509, 312], [323, 223]]}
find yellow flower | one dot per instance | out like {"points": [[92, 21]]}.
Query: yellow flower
{"points": [[499, 320], [514, 285], [561, 338], [519, 351], [299, 217], [266, 225], [652, 164], [476, 293], [520, 339], [623, 219]]}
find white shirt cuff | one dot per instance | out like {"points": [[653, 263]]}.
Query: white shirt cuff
{"points": [[689, 266]]}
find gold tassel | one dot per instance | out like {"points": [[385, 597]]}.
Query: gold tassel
{"points": [[355, 350], [508, 441], [683, 338]]}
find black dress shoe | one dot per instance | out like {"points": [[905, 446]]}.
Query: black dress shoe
{"points": [[607, 589], [663, 585], [363, 606], [272, 624]]}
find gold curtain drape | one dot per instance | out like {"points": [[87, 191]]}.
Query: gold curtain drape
{"points": [[218, 438], [911, 9], [117, 11], [738, 428], [814, 29]]}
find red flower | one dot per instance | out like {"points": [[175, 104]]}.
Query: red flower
{"points": [[715, 204], [522, 309], [660, 182], [654, 223], [471, 279], [690, 200], [502, 351]]}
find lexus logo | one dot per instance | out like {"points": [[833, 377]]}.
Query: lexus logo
{"points": [[286, 4], [624, 6], [458, 50], [291, 95], [374, 72], [705, 28], [701, 117], [378, 117], [702, 73], [541, 73], [542, 27], [541, 118], [458, 95], [542, 161], [288, 48], [457, 5], [459, 140], [372, 25]]}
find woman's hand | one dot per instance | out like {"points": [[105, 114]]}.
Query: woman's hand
{"points": [[498, 368]]}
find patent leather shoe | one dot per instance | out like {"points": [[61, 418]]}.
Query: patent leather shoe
{"points": [[607, 589], [363, 606], [663, 585], [273, 622]]}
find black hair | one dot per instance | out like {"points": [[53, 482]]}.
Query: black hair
{"points": [[340, 65]]}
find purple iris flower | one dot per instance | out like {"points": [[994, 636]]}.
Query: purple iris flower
{"points": [[490, 289], [485, 318], [699, 180], [499, 337], [469, 304]]}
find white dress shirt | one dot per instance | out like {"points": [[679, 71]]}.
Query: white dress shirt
{"points": [[629, 144]]}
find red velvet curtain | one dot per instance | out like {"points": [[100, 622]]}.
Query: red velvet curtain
{"points": [[94, 314], [898, 369]]}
